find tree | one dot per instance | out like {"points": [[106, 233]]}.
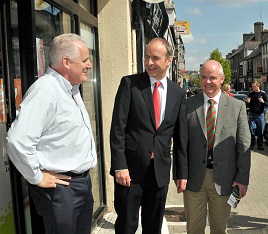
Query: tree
{"points": [[197, 81], [216, 55]]}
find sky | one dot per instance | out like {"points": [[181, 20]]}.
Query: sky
{"points": [[217, 24]]}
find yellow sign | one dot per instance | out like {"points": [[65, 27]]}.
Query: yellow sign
{"points": [[182, 27]]}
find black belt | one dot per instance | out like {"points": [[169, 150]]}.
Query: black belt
{"points": [[74, 175]]}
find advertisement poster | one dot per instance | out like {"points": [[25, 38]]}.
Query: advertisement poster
{"points": [[18, 92], [41, 66], [2, 102]]}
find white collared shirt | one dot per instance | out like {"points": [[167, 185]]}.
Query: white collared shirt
{"points": [[51, 131], [216, 105], [162, 89]]}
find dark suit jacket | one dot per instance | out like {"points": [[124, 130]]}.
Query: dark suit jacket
{"points": [[133, 135], [231, 148]]}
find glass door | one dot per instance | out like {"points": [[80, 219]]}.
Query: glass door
{"points": [[6, 208]]}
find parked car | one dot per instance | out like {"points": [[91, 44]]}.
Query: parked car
{"points": [[246, 92], [242, 97], [233, 91]]}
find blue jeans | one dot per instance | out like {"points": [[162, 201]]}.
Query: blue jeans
{"points": [[256, 126]]}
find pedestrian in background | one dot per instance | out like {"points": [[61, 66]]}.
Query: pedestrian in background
{"points": [[51, 141], [226, 89], [218, 152], [148, 109], [257, 100]]}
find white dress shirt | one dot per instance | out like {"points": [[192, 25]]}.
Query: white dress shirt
{"points": [[216, 104], [162, 89], [51, 131]]}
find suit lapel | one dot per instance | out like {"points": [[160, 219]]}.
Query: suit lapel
{"points": [[222, 112], [199, 104], [145, 86]]}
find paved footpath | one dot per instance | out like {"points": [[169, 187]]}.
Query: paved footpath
{"points": [[250, 217]]}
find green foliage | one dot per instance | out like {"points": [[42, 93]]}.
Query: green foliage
{"points": [[197, 81], [216, 55]]}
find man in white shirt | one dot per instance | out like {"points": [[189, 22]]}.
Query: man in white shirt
{"points": [[51, 141]]}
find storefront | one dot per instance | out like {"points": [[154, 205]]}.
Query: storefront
{"points": [[27, 28]]}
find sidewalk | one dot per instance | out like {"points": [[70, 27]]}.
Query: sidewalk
{"points": [[251, 215]]}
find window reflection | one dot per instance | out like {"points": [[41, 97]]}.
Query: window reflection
{"points": [[50, 22]]}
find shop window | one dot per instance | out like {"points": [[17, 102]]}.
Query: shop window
{"points": [[88, 5], [50, 22], [89, 91]]}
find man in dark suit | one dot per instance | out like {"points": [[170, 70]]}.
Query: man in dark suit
{"points": [[140, 150], [213, 172]]}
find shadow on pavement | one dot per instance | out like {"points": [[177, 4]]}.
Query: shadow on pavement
{"points": [[247, 223]]}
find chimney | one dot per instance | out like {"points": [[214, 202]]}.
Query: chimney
{"points": [[258, 28]]}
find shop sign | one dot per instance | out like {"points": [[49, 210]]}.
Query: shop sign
{"points": [[259, 69], [182, 28]]}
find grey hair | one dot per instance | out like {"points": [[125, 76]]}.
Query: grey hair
{"points": [[63, 45], [166, 44]]}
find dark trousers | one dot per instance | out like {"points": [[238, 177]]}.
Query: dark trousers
{"points": [[146, 194], [65, 209]]}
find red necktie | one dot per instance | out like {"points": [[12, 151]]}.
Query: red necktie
{"points": [[157, 106], [157, 103]]}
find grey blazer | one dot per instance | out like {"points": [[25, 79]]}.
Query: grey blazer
{"points": [[231, 148]]}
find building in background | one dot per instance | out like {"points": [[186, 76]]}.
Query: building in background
{"points": [[248, 60]]}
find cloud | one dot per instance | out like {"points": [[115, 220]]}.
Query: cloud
{"points": [[202, 41], [189, 39], [195, 11], [231, 3]]}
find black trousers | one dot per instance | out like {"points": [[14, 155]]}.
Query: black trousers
{"points": [[146, 194], [65, 209]]}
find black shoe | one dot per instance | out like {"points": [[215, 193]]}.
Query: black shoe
{"points": [[260, 147], [251, 146]]}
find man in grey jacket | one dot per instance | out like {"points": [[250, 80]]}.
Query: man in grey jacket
{"points": [[213, 172]]}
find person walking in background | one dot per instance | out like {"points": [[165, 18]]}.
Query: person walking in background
{"points": [[51, 141], [218, 152], [226, 89], [257, 99], [148, 109]]}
